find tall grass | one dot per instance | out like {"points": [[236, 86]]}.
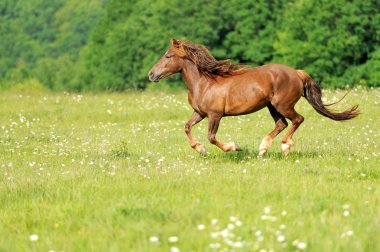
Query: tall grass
{"points": [[115, 172]]}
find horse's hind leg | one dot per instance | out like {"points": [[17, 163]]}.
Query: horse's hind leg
{"points": [[296, 119], [281, 124]]}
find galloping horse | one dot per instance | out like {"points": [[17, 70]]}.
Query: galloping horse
{"points": [[219, 88]]}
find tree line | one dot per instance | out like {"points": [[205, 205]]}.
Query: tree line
{"points": [[111, 44]]}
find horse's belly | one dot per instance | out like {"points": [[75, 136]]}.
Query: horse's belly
{"points": [[245, 103], [246, 108]]}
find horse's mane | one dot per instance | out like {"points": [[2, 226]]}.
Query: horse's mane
{"points": [[207, 64]]}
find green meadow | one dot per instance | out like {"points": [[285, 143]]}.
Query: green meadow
{"points": [[115, 172]]}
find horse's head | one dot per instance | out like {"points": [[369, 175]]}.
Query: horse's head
{"points": [[170, 63]]}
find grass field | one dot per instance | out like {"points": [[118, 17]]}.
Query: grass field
{"points": [[115, 172]]}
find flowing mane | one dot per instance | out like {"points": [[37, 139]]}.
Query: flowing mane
{"points": [[207, 64]]}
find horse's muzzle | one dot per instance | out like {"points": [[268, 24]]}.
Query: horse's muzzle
{"points": [[153, 77]]}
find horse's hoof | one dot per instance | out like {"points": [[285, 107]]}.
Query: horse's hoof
{"points": [[262, 152], [231, 147], [201, 149], [286, 149], [237, 148], [265, 144]]}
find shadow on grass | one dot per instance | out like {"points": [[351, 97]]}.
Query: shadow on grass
{"points": [[121, 151], [138, 214], [245, 155]]}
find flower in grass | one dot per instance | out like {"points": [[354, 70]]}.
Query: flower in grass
{"points": [[346, 234], [267, 210], [346, 213], [280, 238], [299, 245], [214, 222], [174, 249], [153, 239], [173, 239], [214, 235], [33, 237], [224, 233], [238, 244], [201, 227]]}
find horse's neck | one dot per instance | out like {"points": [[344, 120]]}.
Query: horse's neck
{"points": [[195, 82]]}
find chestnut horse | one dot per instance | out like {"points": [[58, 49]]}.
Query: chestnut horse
{"points": [[219, 88]]}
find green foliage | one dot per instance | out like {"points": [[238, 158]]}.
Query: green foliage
{"points": [[29, 86], [329, 39], [110, 45], [42, 39], [367, 74]]}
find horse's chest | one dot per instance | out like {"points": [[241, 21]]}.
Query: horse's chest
{"points": [[196, 104], [207, 104], [192, 102]]}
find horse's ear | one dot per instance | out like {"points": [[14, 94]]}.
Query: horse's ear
{"points": [[177, 46], [175, 43]]}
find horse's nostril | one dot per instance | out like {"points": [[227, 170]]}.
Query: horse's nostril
{"points": [[152, 76]]}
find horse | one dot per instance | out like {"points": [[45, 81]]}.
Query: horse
{"points": [[218, 88]]}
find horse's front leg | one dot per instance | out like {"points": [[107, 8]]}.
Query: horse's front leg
{"points": [[195, 118], [213, 125]]}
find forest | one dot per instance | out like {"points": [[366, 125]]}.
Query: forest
{"points": [[96, 45]]}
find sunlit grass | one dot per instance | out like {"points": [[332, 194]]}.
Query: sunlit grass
{"points": [[115, 172]]}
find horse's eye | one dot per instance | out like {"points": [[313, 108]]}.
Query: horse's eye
{"points": [[168, 56]]}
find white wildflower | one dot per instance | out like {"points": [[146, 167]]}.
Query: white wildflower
{"points": [[301, 245], [33, 237], [153, 239], [280, 238], [174, 249], [201, 227], [173, 239], [224, 233], [267, 210], [346, 213]]}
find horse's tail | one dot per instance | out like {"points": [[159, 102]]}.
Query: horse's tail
{"points": [[312, 92]]}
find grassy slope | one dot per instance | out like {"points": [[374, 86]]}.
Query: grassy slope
{"points": [[106, 172]]}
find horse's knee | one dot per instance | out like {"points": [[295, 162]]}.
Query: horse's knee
{"points": [[187, 128]]}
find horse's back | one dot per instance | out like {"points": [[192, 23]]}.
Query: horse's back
{"points": [[270, 78], [275, 82]]}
